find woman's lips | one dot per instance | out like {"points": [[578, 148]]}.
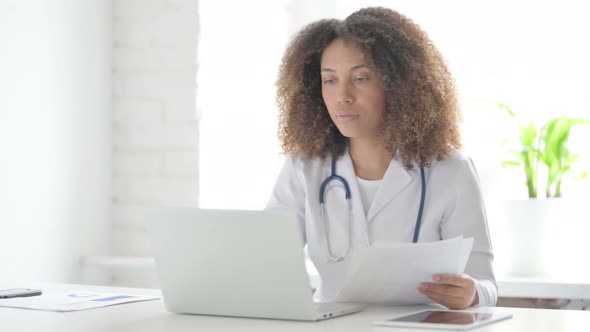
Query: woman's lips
{"points": [[346, 117]]}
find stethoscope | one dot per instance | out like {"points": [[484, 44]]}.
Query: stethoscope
{"points": [[334, 176]]}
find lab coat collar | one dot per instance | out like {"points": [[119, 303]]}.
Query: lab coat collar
{"points": [[395, 180]]}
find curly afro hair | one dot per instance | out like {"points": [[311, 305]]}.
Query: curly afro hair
{"points": [[422, 116]]}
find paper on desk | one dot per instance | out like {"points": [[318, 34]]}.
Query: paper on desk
{"points": [[72, 301], [392, 272]]}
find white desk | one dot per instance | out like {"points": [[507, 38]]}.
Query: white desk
{"points": [[152, 316]]}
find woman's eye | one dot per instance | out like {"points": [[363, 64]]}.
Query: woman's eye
{"points": [[360, 79], [328, 81]]}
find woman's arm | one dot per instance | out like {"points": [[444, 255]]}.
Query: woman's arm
{"points": [[466, 216]]}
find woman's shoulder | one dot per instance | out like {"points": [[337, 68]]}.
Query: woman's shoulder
{"points": [[457, 156], [457, 161], [457, 171], [299, 162]]}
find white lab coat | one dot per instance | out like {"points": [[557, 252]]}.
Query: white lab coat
{"points": [[453, 207]]}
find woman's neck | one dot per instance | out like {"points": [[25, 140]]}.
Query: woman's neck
{"points": [[369, 158]]}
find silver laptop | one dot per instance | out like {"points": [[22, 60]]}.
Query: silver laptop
{"points": [[235, 263]]}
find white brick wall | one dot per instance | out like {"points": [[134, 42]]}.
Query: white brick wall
{"points": [[155, 125]]}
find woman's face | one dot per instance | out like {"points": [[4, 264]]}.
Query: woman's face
{"points": [[351, 91]]}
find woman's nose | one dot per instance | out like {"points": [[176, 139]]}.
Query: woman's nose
{"points": [[344, 94]]}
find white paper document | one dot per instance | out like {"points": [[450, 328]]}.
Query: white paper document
{"points": [[391, 273], [72, 301]]}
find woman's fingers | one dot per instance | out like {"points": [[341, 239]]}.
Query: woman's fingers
{"points": [[455, 291]]}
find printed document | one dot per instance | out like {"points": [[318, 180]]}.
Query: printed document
{"points": [[72, 301], [391, 273]]}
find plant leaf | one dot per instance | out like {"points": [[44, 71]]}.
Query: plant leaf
{"points": [[506, 108], [510, 163], [528, 135]]}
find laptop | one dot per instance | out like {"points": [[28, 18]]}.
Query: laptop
{"points": [[235, 263]]}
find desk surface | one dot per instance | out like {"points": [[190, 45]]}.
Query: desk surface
{"points": [[152, 316]]}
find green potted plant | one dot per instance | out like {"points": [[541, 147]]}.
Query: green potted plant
{"points": [[533, 229], [545, 146]]}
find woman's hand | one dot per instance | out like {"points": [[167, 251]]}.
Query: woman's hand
{"points": [[454, 291]]}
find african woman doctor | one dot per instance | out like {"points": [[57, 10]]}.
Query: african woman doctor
{"points": [[370, 99]]}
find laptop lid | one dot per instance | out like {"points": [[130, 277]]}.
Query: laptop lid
{"points": [[231, 263]]}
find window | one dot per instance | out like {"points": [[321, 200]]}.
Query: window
{"points": [[239, 56]]}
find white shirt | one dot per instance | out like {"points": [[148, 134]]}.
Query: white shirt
{"points": [[453, 207], [368, 190]]}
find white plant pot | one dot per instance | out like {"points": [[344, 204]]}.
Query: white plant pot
{"points": [[539, 238]]}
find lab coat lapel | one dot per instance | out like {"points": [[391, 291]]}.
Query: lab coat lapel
{"points": [[395, 180]]}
